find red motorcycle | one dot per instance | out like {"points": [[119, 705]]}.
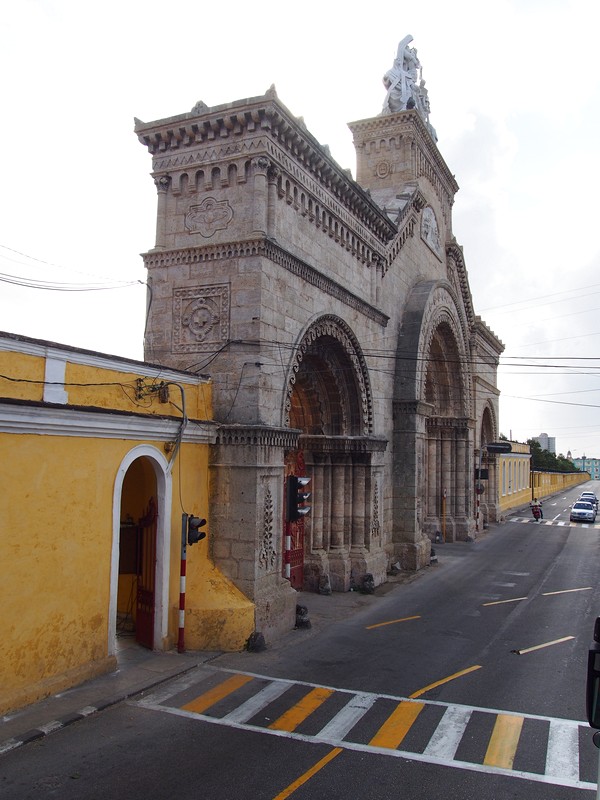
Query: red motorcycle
{"points": [[537, 512]]}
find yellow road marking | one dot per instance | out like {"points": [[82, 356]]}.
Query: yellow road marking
{"points": [[566, 591], [503, 744], [445, 680], [398, 724], [208, 699], [499, 602], [308, 774], [299, 712], [540, 646], [391, 622]]}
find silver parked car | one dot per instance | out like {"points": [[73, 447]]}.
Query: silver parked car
{"points": [[589, 497], [582, 511]]}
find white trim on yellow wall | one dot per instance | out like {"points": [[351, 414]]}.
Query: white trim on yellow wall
{"points": [[163, 538], [67, 421], [89, 358]]}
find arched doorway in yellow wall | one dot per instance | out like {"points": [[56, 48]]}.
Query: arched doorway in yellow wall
{"points": [[140, 560]]}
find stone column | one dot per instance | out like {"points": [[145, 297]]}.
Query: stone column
{"points": [[338, 500], [260, 166], [358, 506], [432, 474], [317, 503], [162, 183], [272, 176]]}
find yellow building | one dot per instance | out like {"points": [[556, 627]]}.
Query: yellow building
{"points": [[100, 457], [518, 484], [514, 476]]}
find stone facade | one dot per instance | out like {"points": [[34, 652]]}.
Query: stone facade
{"points": [[336, 322]]}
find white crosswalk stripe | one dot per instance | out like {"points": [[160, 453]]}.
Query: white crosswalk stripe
{"points": [[447, 733]]}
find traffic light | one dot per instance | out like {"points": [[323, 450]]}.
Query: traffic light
{"points": [[296, 497], [194, 534]]}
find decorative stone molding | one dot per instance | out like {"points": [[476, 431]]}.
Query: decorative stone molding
{"points": [[200, 317], [272, 251], [375, 520], [430, 233], [335, 328], [324, 445], [257, 436], [162, 183], [267, 553], [209, 217]]}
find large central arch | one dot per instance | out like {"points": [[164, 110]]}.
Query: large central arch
{"points": [[328, 397], [433, 423]]}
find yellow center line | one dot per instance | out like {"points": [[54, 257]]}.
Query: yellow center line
{"points": [[499, 602], [308, 774], [298, 713], [566, 591], [208, 699], [503, 743], [390, 622], [445, 680], [540, 646], [398, 724]]}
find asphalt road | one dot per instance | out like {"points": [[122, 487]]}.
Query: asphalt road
{"points": [[467, 682]]}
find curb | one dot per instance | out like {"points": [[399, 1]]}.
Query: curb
{"points": [[34, 734]]}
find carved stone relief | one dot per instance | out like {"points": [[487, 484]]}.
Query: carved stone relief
{"points": [[208, 217], [200, 317], [267, 554], [430, 231]]}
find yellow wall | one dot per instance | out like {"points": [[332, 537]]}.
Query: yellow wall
{"points": [[21, 376], [57, 516]]}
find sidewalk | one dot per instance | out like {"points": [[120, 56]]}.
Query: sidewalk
{"points": [[140, 669]]}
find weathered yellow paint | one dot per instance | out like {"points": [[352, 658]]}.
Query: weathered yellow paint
{"points": [[21, 375], [504, 741], [56, 517], [202, 703]]}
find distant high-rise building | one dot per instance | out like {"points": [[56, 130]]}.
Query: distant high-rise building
{"points": [[546, 442]]}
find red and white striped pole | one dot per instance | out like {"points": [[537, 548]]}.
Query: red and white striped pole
{"points": [[181, 635], [287, 551]]}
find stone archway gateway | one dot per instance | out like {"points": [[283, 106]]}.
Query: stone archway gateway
{"points": [[335, 319], [329, 400]]}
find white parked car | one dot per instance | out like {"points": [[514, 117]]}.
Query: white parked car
{"points": [[582, 511]]}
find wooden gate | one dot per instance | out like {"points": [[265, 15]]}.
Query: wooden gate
{"points": [[146, 569]]}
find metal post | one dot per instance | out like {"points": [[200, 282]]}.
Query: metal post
{"points": [[181, 634], [444, 515], [287, 551]]}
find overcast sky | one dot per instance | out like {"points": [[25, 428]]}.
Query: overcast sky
{"points": [[515, 100]]}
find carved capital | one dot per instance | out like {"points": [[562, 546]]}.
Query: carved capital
{"points": [[162, 183], [260, 164]]}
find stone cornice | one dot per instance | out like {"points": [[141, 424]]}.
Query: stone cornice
{"points": [[483, 332], [278, 255], [257, 436], [343, 444], [265, 115]]}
